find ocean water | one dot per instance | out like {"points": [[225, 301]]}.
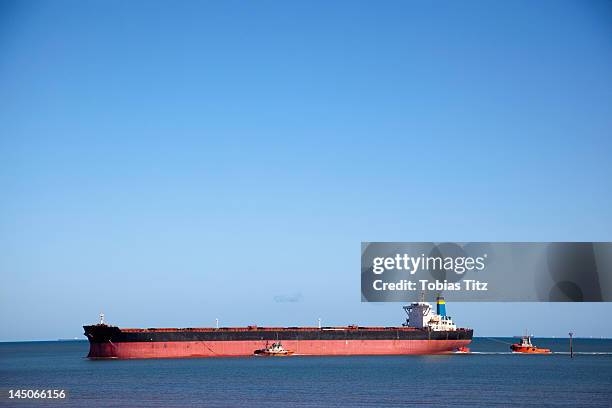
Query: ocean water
{"points": [[489, 377]]}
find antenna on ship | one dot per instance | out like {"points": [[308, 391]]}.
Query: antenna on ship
{"points": [[101, 318], [217, 323], [319, 323]]}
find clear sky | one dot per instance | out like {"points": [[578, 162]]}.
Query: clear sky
{"points": [[170, 163]]}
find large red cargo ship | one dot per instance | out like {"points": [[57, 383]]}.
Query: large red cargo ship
{"points": [[424, 332]]}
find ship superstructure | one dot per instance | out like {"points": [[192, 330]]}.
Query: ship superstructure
{"points": [[421, 315]]}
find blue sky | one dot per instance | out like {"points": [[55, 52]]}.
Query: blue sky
{"points": [[171, 164]]}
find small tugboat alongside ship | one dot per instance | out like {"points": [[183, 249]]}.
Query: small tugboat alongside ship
{"points": [[275, 350]]}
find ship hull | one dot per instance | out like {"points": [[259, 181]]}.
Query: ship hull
{"points": [[109, 342], [529, 350], [193, 349]]}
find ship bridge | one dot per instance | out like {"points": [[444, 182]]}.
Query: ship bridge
{"points": [[422, 316]]}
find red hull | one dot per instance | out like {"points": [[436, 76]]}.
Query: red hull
{"points": [[517, 348], [184, 349]]}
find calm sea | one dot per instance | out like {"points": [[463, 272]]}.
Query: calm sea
{"points": [[490, 377]]}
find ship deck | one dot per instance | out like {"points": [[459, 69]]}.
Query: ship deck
{"points": [[273, 329]]}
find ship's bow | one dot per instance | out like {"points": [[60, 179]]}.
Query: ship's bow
{"points": [[100, 338]]}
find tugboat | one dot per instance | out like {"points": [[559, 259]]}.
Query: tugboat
{"points": [[526, 347], [462, 350], [275, 350]]}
